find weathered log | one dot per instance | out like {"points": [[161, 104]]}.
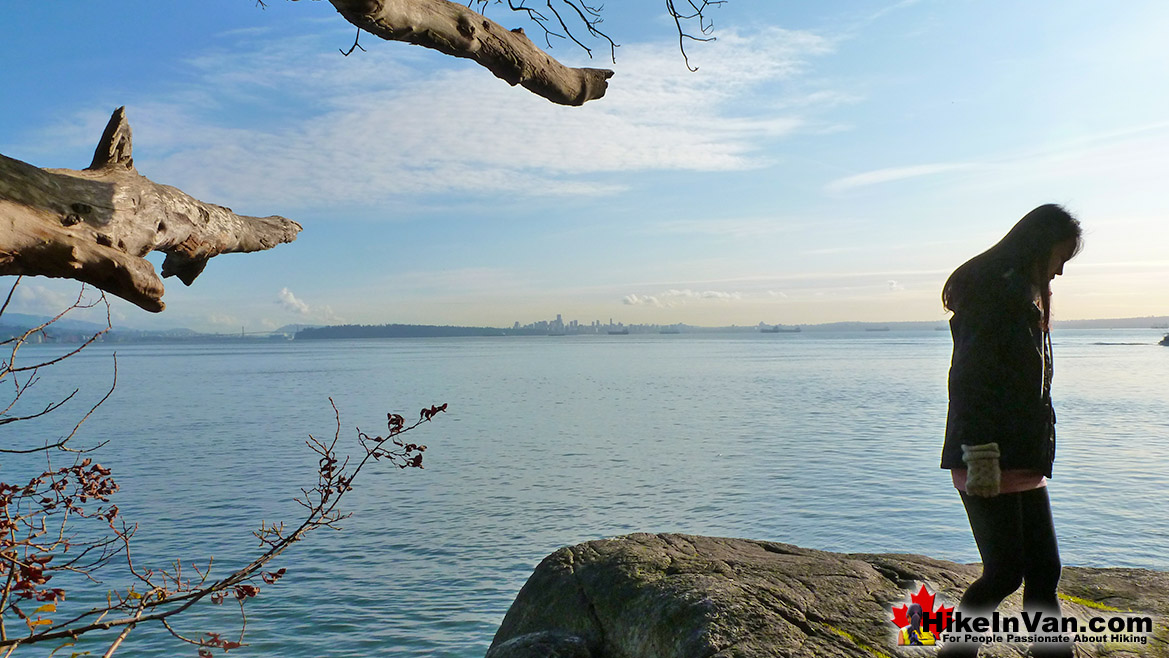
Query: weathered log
{"points": [[456, 30], [95, 225]]}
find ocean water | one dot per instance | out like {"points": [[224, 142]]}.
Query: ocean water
{"points": [[829, 441]]}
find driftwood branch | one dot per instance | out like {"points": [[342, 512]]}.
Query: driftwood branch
{"points": [[96, 225], [455, 29]]}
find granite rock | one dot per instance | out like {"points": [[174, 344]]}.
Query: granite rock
{"points": [[682, 596]]}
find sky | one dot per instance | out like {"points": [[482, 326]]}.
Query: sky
{"points": [[827, 161]]}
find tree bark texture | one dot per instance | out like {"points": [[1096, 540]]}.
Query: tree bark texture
{"points": [[95, 225], [454, 29]]}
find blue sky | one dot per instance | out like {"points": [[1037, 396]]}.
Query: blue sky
{"points": [[828, 161]]}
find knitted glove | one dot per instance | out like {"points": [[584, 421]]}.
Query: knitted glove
{"points": [[982, 469]]}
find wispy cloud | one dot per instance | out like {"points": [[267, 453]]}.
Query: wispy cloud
{"points": [[778, 288], [250, 32], [324, 130], [736, 228], [896, 6], [1127, 265], [461, 281], [45, 296], [705, 294], [328, 315], [892, 174], [1124, 155], [641, 300], [223, 319], [290, 302], [675, 297], [39, 299]]}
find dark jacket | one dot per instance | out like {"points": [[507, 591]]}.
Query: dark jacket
{"points": [[1000, 379]]}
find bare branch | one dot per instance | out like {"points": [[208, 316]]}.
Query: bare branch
{"points": [[697, 13], [118, 642], [50, 408], [40, 329], [8, 298], [77, 426], [21, 387], [586, 17], [169, 593], [355, 46]]}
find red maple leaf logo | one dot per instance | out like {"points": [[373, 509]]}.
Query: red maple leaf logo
{"points": [[926, 600], [901, 616]]}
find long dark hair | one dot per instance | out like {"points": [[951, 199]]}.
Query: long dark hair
{"points": [[1028, 245]]}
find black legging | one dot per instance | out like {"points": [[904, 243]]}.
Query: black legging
{"points": [[1016, 539]]}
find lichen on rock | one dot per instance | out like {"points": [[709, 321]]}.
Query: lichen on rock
{"points": [[683, 596]]}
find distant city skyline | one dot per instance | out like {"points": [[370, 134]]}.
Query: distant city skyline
{"points": [[827, 162], [69, 330]]}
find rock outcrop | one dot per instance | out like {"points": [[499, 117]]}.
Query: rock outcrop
{"points": [[681, 596]]}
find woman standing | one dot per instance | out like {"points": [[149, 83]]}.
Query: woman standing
{"points": [[1000, 429]]}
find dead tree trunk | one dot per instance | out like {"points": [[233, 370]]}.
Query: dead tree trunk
{"points": [[96, 225], [454, 29]]}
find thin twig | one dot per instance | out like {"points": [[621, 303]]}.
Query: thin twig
{"points": [[171, 595], [9, 297], [354, 46], [705, 25]]}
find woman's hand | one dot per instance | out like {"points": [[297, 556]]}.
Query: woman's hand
{"points": [[983, 475]]}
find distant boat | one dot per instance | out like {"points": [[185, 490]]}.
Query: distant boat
{"points": [[1165, 341], [618, 332], [876, 328], [779, 330]]}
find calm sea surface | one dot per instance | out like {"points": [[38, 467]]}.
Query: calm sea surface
{"points": [[829, 441]]}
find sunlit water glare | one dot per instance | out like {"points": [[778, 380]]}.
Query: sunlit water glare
{"points": [[829, 441]]}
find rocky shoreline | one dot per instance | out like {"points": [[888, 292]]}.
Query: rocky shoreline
{"points": [[684, 596]]}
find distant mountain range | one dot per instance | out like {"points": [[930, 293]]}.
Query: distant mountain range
{"points": [[67, 330], [1151, 322], [23, 322]]}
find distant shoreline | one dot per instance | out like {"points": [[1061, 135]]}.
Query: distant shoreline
{"points": [[77, 332], [351, 331]]}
